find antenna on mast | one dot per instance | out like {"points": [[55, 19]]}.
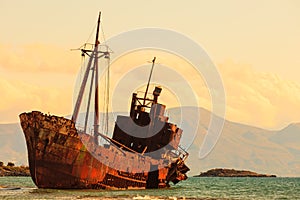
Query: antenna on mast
{"points": [[153, 62]]}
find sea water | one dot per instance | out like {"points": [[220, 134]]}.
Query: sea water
{"points": [[193, 188]]}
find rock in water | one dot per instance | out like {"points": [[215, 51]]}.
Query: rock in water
{"points": [[219, 172]]}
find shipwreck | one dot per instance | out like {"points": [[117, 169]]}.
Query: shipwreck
{"points": [[143, 152]]}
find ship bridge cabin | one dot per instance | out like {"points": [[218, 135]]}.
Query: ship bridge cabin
{"points": [[144, 131]]}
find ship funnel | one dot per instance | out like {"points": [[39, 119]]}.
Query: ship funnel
{"points": [[156, 93]]}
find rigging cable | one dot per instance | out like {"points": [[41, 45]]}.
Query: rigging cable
{"points": [[107, 97], [92, 32], [105, 119], [103, 106], [103, 35], [106, 89]]}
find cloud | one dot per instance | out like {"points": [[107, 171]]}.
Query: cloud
{"points": [[19, 96], [257, 98], [38, 58], [36, 77], [41, 77]]}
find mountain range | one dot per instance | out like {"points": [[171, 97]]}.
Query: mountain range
{"points": [[239, 146]]}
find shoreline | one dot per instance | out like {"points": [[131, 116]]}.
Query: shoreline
{"points": [[14, 171]]}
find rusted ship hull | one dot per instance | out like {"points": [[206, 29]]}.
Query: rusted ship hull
{"points": [[143, 152], [59, 158]]}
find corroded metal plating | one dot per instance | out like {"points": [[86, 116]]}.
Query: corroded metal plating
{"points": [[58, 158]]}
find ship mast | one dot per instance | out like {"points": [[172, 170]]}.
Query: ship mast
{"points": [[145, 97], [96, 117], [92, 65]]}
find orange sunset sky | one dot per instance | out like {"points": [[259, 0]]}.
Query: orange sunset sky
{"points": [[254, 44]]}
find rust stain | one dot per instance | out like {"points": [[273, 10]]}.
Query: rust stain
{"points": [[60, 156]]}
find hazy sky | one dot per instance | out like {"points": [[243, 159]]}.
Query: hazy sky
{"points": [[255, 45]]}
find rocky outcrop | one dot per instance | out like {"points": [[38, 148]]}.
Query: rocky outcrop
{"points": [[219, 172], [14, 171]]}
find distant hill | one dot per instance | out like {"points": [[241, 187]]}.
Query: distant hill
{"points": [[239, 146], [288, 136], [12, 144], [251, 148]]}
